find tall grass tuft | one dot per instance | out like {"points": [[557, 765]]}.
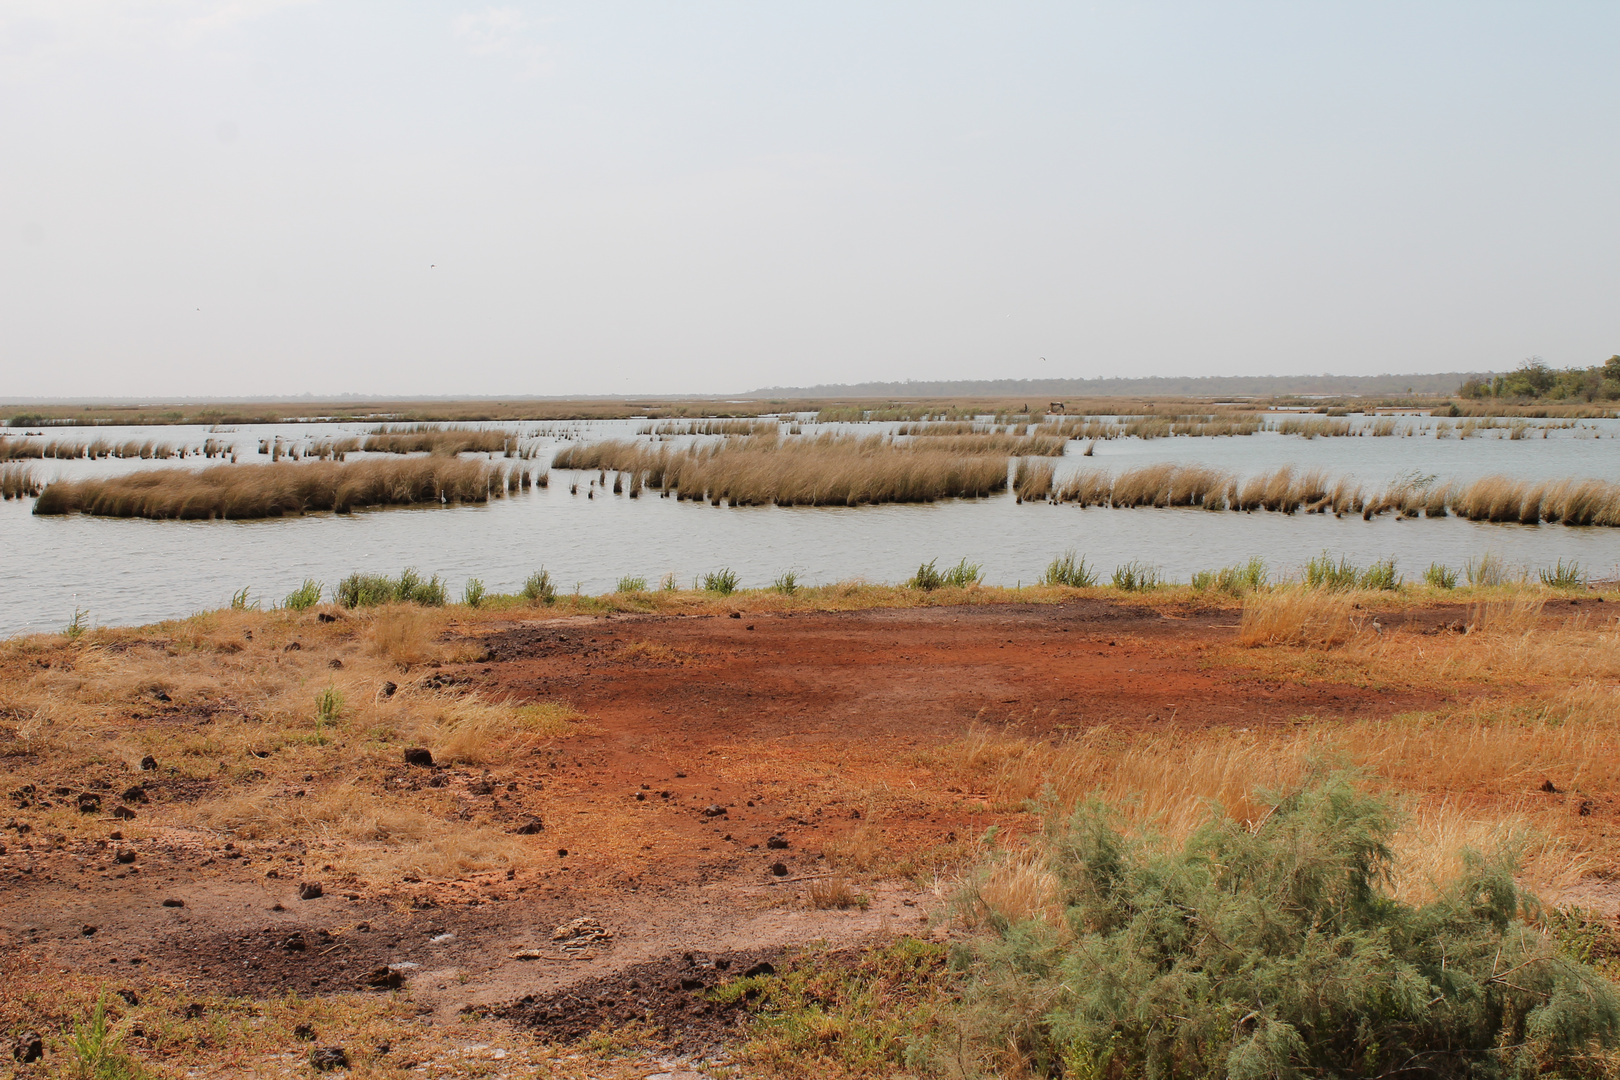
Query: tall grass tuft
{"points": [[631, 585], [1069, 570], [1563, 576], [928, 578], [1381, 575], [1323, 573], [372, 590], [433, 439], [1313, 618], [824, 470], [722, 581], [1440, 576], [18, 481], [260, 491], [1032, 480], [1234, 580], [473, 592], [1487, 570], [964, 575], [1137, 577], [240, 601], [305, 596], [538, 588], [786, 583]]}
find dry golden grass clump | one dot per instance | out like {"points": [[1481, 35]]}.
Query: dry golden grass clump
{"points": [[826, 470], [18, 481], [1568, 502], [259, 491], [1312, 617], [433, 439]]}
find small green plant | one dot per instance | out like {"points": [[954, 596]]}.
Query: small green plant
{"points": [[786, 583], [1249, 577], [1071, 571], [239, 600], [1486, 570], [722, 581], [472, 593], [1440, 576], [539, 588], [928, 578], [631, 585], [668, 584], [1323, 573], [305, 596], [329, 705], [1137, 577], [369, 590], [1563, 576], [97, 1049], [78, 624], [964, 575], [1381, 575]]}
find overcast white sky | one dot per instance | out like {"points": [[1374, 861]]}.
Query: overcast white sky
{"points": [[276, 197]]}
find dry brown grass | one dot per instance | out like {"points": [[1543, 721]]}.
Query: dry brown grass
{"points": [[825, 470], [259, 491], [432, 439], [1311, 617], [403, 634], [18, 481]]}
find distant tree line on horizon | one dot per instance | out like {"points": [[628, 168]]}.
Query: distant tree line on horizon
{"points": [[1535, 379]]}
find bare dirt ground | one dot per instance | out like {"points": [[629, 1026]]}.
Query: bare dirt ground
{"points": [[732, 764]]}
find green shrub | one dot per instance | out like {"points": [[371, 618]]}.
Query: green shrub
{"points": [[239, 600], [1272, 950], [787, 584], [305, 596], [329, 705], [1380, 575], [472, 593], [539, 588], [964, 575], [78, 624], [722, 581], [369, 590], [631, 585], [928, 578], [1323, 573], [97, 1049], [1563, 576], [1070, 571], [1440, 576], [1137, 577], [1236, 580]]}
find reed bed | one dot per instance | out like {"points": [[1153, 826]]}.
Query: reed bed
{"points": [[825, 470], [432, 439], [711, 427], [993, 443], [261, 491], [18, 481], [1287, 491], [67, 450]]}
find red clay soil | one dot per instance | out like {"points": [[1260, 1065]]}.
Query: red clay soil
{"points": [[698, 812]]}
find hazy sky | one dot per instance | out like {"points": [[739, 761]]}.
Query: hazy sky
{"points": [[267, 197]]}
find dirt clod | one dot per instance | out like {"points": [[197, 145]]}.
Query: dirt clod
{"points": [[123, 813], [310, 890], [777, 843], [328, 1058], [420, 756], [531, 826], [779, 869], [173, 901], [28, 1048], [148, 763], [385, 978]]}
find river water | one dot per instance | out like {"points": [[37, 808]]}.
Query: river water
{"points": [[135, 571]]}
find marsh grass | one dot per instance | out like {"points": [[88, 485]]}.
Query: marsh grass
{"points": [[1440, 576], [434, 439], [371, 590], [1233, 580], [823, 470], [786, 583], [538, 588], [1069, 571], [1564, 576], [260, 491], [722, 582], [473, 592], [1137, 576], [18, 482], [1488, 571], [631, 585]]}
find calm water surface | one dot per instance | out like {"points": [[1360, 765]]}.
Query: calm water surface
{"points": [[133, 571]]}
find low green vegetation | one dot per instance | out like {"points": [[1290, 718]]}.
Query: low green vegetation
{"points": [[1069, 570], [1563, 576], [963, 575], [1535, 379], [1137, 577], [786, 583], [628, 584], [95, 1047], [305, 596], [1271, 950], [472, 593], [722, 581], [1487, 570], [1323, 573], [1234, 580], [370, 590], [1440, 576], [240, 602], [538, 588]]}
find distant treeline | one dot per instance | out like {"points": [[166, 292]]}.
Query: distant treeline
{"points": [[1208, 386], [1534, 379]]}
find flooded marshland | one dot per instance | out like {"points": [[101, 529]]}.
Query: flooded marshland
{"points": [[127, 570]]}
